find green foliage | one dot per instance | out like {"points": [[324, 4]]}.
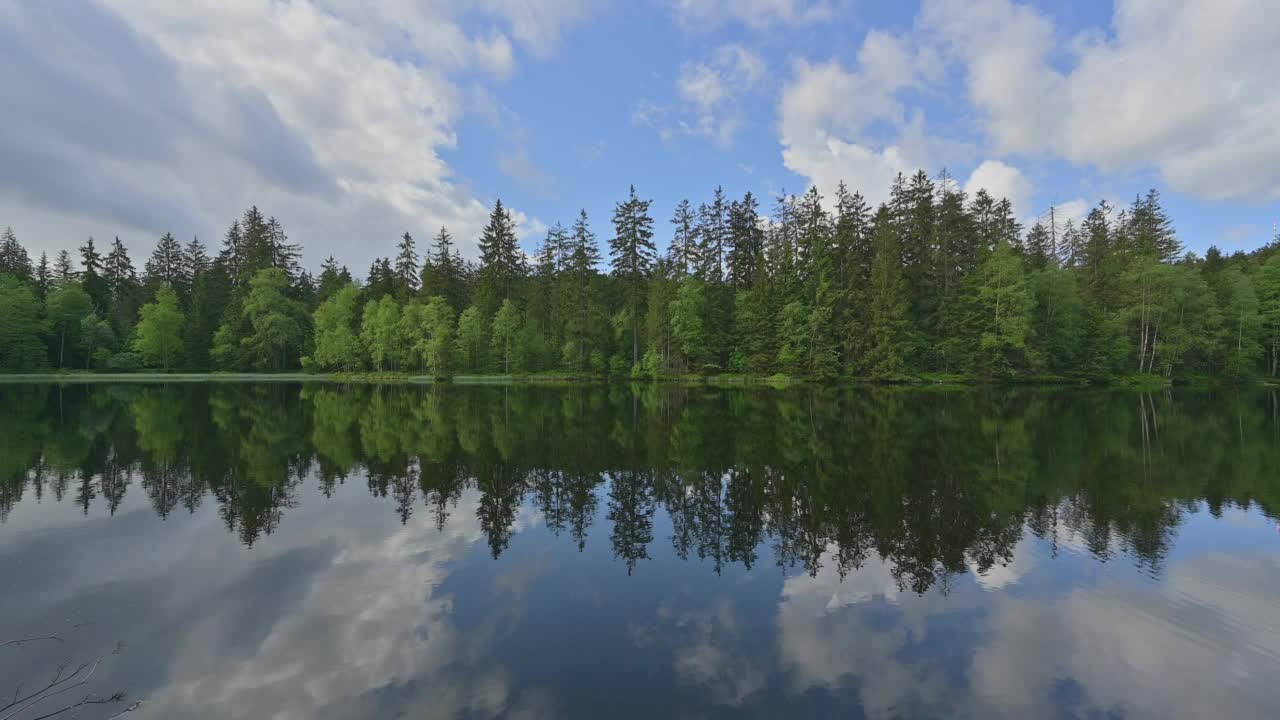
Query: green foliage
{"points": [[281, 327], [437, 343], [1242, 324], [793, 333], [125, 362], [66, 309], [21, 327], [1267, 285], [471, 341], [506, 326], [888, 327], [159, 335], [1001, 313], [1057, 319], [687, 329], [99, 337], [337, 342], [382, 334], [934, 281]]}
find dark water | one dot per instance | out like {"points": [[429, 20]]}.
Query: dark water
{"points": [[287, 551]]}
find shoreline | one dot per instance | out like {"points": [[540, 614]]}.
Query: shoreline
{"points": [[925, 380]]}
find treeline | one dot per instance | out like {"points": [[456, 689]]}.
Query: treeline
{"points": [[933, 281], [934, 484]]}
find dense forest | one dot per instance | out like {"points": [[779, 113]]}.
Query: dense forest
{"points": [[931, 282]]}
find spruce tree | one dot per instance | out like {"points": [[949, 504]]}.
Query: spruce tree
{"points": [[195, 262], [501, 263], [91, 276], [63, 270], [712, 232], [165, 266], [14, 259], [407, 270], [43, 277], [684, 241], [579, 293], [443, 275], [888, 324], [632, 253], [746, 242]]}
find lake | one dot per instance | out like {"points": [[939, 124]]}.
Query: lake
{"points": [[255, 550]]}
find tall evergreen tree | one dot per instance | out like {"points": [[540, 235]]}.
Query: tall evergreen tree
{"points": [[407, 270], [888, 324], [14, 259], [43, 277], [91, 276], [165, 266], [684, 239], [713, 237], [1037, 251], [195, 262], [63, 270], [232, 255], [632, 253], [579, 291], [444, 274], [501, 262], [1152, 230]]}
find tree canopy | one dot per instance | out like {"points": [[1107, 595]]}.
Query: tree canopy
{"points": [[935, 280]]}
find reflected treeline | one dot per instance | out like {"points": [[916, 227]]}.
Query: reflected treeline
{"points": [[932, 482]]}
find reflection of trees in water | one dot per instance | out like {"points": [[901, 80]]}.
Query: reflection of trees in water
{"points": [[933, 482]]}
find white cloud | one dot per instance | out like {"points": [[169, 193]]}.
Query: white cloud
{"points": [[1185, 87], [537, 24], [716, 88], [1002, 181], [1071, 210], [823, 130], [712, 94], [755, 14], [331, 115]]}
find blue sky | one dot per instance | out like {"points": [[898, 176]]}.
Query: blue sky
{"points": [[354, 121]]}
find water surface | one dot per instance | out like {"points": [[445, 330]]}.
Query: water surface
{"points": [[316, 551]]}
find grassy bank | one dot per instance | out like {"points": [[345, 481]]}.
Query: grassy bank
{"points": [[932, 380]]}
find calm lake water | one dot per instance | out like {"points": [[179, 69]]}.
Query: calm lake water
{"points": [[277, 550]]}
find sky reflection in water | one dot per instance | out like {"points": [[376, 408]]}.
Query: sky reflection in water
{"points": [[274, 550]]}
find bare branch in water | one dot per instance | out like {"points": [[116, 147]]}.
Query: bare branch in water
{"points": [[21, 641], [61, 683]]}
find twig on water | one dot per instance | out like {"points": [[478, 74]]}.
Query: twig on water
{"points": [[21, 641]]}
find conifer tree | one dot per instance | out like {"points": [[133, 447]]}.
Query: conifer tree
{"points": [[407, 270], [632, 252], [63, 270], [888, 326], [164, 267], [684, 239], [14, 259], [501, 263], [43, 276]]}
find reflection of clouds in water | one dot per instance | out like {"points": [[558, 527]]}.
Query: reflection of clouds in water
{"points": [[370, 633], [711, 662], [1000, 576], [705, 645], [1191, 648], [827, 637]]}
